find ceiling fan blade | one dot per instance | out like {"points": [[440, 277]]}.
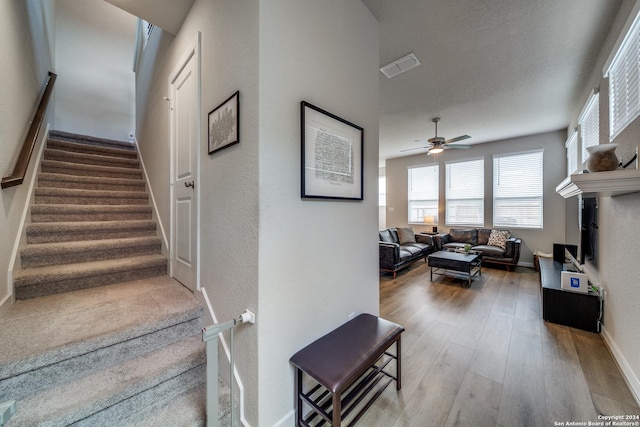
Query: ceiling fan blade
{"points": [[459, 138], [446, 147], [423, 141], [416, 148]]}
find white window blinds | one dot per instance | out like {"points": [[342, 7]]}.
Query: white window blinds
{"points": [[572, 154], [589, 123], [624, 82], [423, 193], [517, 190], [465, 193]]}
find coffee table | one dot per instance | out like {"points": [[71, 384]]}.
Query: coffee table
{"points": [[462, 265]]}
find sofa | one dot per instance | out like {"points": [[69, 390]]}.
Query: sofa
{"points": [[400, 247], [496, 246]]}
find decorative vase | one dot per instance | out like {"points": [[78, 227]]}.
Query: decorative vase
{"points": [[602, 158]]}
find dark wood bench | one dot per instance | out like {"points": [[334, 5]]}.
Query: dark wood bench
{"points": [[347, 365]]}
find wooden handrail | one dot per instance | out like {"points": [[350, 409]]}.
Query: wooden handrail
{"points": [[20, 170]]}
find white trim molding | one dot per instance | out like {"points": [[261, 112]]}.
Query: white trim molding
{"points": [[627, 373]]}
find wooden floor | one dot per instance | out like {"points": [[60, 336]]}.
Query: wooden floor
{"points": [[483, 356]]}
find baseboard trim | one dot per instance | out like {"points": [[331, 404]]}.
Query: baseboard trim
{"points": [[153, 199], [287, 420], [34, 168], [5, 303], [627, 373]]}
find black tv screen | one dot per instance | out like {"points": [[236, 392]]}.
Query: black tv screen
{"points": [[589, 231]]}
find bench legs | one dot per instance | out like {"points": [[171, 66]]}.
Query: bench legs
{"points": [[301, 398], [398, 365]]}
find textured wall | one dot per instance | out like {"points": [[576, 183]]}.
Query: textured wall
{"points": [[318, 259], [20, 89], [94, 60], [228, 184], [303, 267], [619, 229]]}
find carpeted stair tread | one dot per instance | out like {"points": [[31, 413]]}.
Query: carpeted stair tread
{"points": [[58, 212], [89, 159], [71, 324], [90, 149], [45, 275], [69, 168], [122, 388], [48, 232], [90, 140], [186, 410], [48, 195], [59, 253], [58, 180]]}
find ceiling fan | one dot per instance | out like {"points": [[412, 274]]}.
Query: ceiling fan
{"points": [[438, 144]]}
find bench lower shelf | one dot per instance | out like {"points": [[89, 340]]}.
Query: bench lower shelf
{"points": [[369, 386], [346, 371]]}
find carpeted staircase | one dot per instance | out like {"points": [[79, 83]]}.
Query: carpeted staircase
{"points": [[100, 335]]}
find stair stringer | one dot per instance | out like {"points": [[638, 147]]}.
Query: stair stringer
{"points": [[20, 240], [155, 216]]}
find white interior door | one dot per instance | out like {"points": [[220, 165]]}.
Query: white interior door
{"points": [[184, 121]]}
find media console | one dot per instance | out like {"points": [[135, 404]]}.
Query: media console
{"points": [[567, 308]]}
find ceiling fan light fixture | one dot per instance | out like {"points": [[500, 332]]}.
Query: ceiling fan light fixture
{"points": [[436, 150], [401, 65]]}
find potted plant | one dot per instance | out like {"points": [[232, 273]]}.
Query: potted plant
{"points": [[467, 248]]}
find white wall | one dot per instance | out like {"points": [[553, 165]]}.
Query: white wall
{"points": [[20, 89], [94, 59], [318, 258], [302, 266], [228, 186], [619, 232], [554, 171]]}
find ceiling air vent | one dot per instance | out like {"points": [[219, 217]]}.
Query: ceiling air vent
{"points": [[399, 66]]}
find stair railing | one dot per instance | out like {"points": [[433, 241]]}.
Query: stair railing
{"points": [[20, 170], [210, 337]]}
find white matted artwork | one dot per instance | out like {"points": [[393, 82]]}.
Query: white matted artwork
{"points": [[224, 124], [331, 155]]}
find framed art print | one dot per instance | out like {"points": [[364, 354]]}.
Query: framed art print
{"points": [[332, 165], [224, 124]]}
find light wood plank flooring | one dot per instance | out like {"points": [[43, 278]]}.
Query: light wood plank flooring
{"points": [[483, 356]]}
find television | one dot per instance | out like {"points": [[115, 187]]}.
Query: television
{"points": [[589, 231]]}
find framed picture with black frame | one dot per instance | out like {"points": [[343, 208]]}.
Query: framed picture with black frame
{"points": [[331, 156], [224, 124]]}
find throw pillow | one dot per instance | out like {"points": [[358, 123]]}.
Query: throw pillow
{"points": [[499, 238], [406, 235]]}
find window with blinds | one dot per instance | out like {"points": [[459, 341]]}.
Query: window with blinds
{"points": [[382, 191], [589, 122], [572, 154], [624, 82], [423, 193], [465, 193], [517, 190]]}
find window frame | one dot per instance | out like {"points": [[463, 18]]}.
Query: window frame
{"points": [[448, 209], [497, 197], [573, 153], [417, 220], [589, 126], [623, 66]]}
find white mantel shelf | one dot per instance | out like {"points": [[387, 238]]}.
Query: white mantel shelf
{"points": [[612, 183]]}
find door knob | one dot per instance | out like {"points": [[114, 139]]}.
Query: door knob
{"points": [[191, 184]]}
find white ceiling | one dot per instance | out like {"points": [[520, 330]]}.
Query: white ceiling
{"points": [[492, 69], [166, 14]]}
